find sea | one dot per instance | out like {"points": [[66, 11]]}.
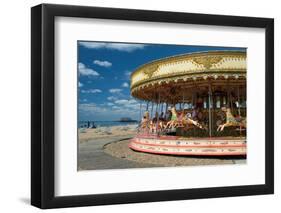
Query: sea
{"points": [[105, 123]]}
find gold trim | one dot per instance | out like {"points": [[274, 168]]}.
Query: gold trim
{"points": [[205, 67], [185, 57], [207, 62]]}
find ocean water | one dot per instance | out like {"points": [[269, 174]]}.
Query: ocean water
{"points": [[105, 123]]}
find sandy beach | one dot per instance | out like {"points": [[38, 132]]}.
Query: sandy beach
{"points": [[107, 148], [107, 132]]}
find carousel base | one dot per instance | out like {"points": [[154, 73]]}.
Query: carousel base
{"points": [[175, 145]]}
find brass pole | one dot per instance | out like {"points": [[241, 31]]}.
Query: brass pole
{"points": [[239, 102], [210, 113], [140, 109]]}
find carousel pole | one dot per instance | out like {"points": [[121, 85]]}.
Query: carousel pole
{"points": [[140, 109], [183, 101], [228, 96], [162, 104], [166, 110], [239, 108], [210, 113], [192, 99], [151, 111], [158, 113], [239, 113]]}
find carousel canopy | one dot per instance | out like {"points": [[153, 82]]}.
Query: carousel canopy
{"points": [[176, 78]]}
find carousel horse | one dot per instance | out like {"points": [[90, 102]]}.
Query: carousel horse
{"points": [[157, 123], [232, 121], [181, 121], [174, 119], [188, 121], [145, 122]]}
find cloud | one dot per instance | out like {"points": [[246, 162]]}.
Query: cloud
{"points": [[125, 102], [113, 46], [102, 63], [125, 84], [127, 75], [80, 84], [116, 107], [93, 111], [115, 90], [83, 70], [130, 106], [91, 91], [91, 107], [111, 98]]}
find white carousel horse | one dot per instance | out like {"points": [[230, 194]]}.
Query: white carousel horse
{"points": [[189, 121], [174, 120], [145, 122], [232, 121], [182, 121]]}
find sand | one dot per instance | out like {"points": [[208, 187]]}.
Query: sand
{"points": [[107, 148], [107, 132], [120, 149]]}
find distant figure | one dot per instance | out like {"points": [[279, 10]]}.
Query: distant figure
{"points": [[93, 126]]}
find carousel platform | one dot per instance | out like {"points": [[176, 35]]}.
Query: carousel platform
{"points": [[176, 145]]}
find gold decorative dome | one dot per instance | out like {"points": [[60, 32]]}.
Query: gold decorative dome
{"points": [[173, 78]]}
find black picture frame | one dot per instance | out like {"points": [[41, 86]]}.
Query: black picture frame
{"points": [[43, 102]]}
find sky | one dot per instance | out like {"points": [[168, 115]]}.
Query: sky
{"points": [[104, 70]]}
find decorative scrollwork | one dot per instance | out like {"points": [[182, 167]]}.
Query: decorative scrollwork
{"points": [[150, 70], [207, 61]]}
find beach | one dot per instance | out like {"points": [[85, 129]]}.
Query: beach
{"points": [[88, 134], [107, 148], [92, 143]]}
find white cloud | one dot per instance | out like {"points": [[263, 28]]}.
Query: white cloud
{"points": [[127, 75], [104, 112], [115, 90], [125, 102], [91, 91], [83, 70], [113, 46], [116, 107], [125, 84], [91, 107], [109, 104], [102, 63], [111, 98], [80, 84]]}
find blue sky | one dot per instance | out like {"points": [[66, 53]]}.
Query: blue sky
{"points": [[104, 70]]}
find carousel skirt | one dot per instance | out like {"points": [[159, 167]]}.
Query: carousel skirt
{"points": [[176, 145]]}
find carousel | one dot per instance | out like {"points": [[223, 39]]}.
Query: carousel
{"points": [[192, 104]]}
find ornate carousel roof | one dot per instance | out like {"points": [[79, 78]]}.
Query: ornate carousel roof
{"points": [[179, 73]]}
